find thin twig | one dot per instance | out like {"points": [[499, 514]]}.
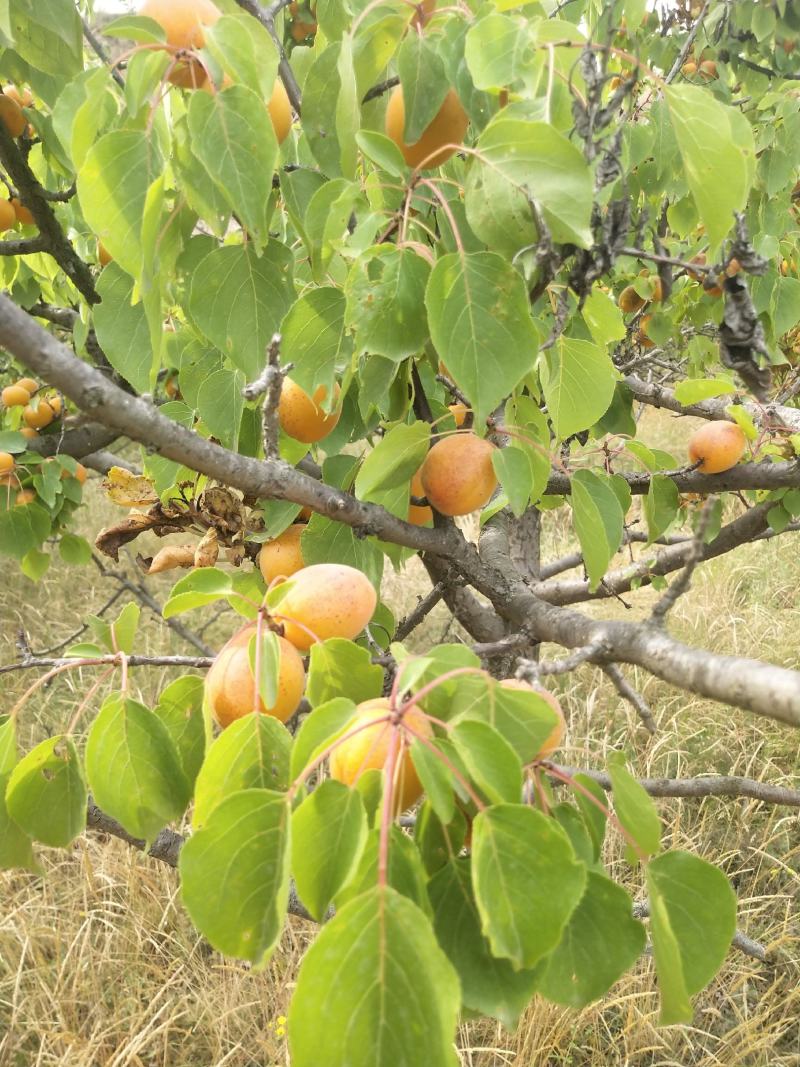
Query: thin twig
{"points": [[627, 692], [100, 52], [530, 671], [682, 583], [267, 16], [421, 611], [687, 45], [745, 944]]}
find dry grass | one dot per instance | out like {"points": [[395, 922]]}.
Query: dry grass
{"points": [[99, 967]]}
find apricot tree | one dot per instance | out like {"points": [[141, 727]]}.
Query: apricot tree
{"points": [[481, 239]]}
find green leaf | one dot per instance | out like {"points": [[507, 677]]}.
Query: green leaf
{"points": [[318, 730], [718, 156], [385, 301], [598, 520], [12, 441], [578, 380], [438, 842], [593, 815], [46, 793], [492, 763], [122, 329], [22, 529], [604, 318], [436, 778], [499, 50], [693, 390], [394, 460], [234, 139], [15, 845], [340, 668], [405, 872], [424, 83], [252, 753], [220, 404], [239, 300], [313, 337], [329, 831], [268, 653], [526, 879], [601, 941], [634, 807], [180, 709], [134, 769], [692, 921], [48, 35], [523, 717], [245, 51], [321, 92], [74, 549], [197, 588], [135, 28], [378, 951], [542, 163], [113, 183], [34, 564], [328, 541], [515, 473], [235, 874], [660, 505], [382, 151], [489, 985], [478, 307]]}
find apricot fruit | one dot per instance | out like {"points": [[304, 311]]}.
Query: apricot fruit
{"points": [[28, 432], [11, 116], [689, 69], [23, 214], [15, 396], [326, 600], [104, 257], [459, 412], [301, 416], [22, 99], [8, 216], [30, 384], [55, 404], [643, 337], [184, 23], [280, 111], [38, 417], [733, 267], [447, 128], [630, 301], [369, 750], [7, 463], [719, 445], [458, 475], [230, 685], [24, 496], [700, 260], [419, 514], [708, 70], [282, 557], [305, 514], [658, 289], [79, 475], [556, 735]]}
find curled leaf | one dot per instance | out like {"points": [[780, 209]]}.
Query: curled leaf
{"points": [[129, 490], [171, 557], [206, 553], [111, 539]]}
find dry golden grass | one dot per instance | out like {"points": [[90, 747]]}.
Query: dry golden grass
{"points": [[99, 966]]}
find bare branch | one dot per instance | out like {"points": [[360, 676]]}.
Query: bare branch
{"points": [[530, 670], [627, 692], [682, 583], [199, 662], [421, 611], [270, 384], [379, 89], [267, 16], [24, 246], [100, 52], [687, 44]]}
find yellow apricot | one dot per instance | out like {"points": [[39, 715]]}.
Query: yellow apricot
{"points": [[104, 257], [280, 111], [230, 685], [448, 127], [630, 301], [23, 214], [24, 496], [719, 445], [38, 417], [301, 416], [184, 22], [282, 557], [30, 384], [458, 475], [6, 463], [8, 216], [326, 600], [11, 116], [369, 750], [15, 396], [419, 514]]}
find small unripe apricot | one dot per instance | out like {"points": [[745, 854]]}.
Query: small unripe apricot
{"points": [[418, 514], [104, 257], [556, 736], [458, 475], [11, 116], [230, 685], [369, 750], [24, 496], [326, 600], [8, 216], [30, 384], [283, 556], [184, 22], [720, 446], [630, 301], [708, 70], [301, 416], [23, 214], [6, 463], [448, 127], [38, 417], [15, 396], [280, 111]]}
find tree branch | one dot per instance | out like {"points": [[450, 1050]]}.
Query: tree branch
{"points": [[266, 16], [627, 692]]}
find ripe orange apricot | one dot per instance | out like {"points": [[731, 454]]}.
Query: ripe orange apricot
{"points": [[79, 475], [6, 463], [24, 496], [55, 404], [11, 116], [689, 69], [720, 446], [418, 514], [8, 216], [230, 685], [283, 556], [369, 749], [22, 99], [458, 476], [30, 384], [556, 736], [301, 416], [104, 257], [29, 432], [448, 127], [329, 600], [305, 514], [23, 214], [280, 111], [708, 70], [630, 301], [183, 22], [15, 396], [700, 260], [38, 417], [733, 267]]}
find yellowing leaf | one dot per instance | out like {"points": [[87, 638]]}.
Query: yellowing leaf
{"points": [[129, 490]]}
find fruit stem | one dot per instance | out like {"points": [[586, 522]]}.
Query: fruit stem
{"points": [[390, 767]]}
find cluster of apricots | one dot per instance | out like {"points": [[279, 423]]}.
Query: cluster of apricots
{"points": [[700, 69], [12, 101], [12, 481], [37, 412]]}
